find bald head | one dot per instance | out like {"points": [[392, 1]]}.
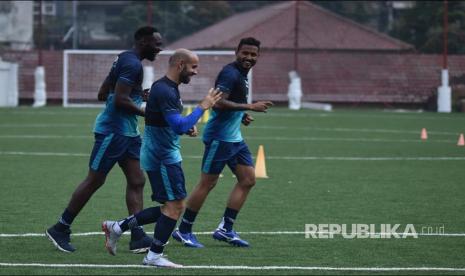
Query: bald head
{"points": [[183, 65], [184, 56]]}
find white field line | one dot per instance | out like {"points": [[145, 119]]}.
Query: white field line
{"points": [[44, 125], [24, 153], [341, 129], [35, 136], [336, 129], [346, 158], [83, 234], [273, 138], [53, 113], [238, 267], [387, 115], [375, 140], [406, 116], [301, 158], [348, 115]]}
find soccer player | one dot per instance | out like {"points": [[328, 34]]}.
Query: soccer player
{"points": [[224, 146], [161, 157], [117, 140]]}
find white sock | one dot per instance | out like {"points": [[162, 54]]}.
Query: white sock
{"points": [[117, 228], [153, 255], [221, 225]]}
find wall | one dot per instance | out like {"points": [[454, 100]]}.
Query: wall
{"points": [[27, 61], [366, 77], [341, 76]]}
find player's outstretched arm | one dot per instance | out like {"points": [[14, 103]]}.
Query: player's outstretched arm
{"points": [[213, 96], [226, 104], [124, 101], [261, 106], [182, 125]]}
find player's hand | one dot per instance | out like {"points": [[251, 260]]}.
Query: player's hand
{"points": [[213, 96], [261, 106], [145, 94], [193, 132], [247, 119]]}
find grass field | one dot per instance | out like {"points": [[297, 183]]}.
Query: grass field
{"points": [[343, 167]]}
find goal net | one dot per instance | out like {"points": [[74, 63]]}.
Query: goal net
{"points": [[85, 70]]}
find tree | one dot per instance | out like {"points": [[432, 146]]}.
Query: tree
{"points": [[174, 19], [363, 12], [246, 5], [422, 26]]}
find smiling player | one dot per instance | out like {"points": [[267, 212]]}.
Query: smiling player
{"points": [[161, 157], [224, 145], [117, 140]]}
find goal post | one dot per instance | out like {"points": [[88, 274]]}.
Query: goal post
{"points": [[85, 70]]}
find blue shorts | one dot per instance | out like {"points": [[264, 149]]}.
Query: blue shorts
{"points": [[218, 154], [112, 148], [167, 182]]}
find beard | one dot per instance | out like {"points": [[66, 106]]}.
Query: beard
{"points": [[149, 54], [184, 76], [244, 64]]}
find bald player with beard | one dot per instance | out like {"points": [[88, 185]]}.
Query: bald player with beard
{"points": [[161, 157]]}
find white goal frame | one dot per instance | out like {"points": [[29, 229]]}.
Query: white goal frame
{"points": [[66, 54]]}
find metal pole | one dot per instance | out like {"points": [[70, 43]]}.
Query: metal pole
{"points": [[296, 36], [445, 30], [390, 15], [39, 42], [445, 91], [40, 94], [149, 13], [75, 25]]}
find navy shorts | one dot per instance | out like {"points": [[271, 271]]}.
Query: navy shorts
{"points": [[167, 182], [112, 148], [218, 154]]}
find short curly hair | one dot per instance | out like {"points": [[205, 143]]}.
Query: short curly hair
{"points": [[144, 31], [248, 41]]}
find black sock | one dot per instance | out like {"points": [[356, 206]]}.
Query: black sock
{"points": [[137, 233], [228, 218], [146, 216], [65, 221], [163, 229], [187, 221]]}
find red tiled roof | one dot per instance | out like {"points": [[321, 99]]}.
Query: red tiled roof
{"points": [[274, 26]]}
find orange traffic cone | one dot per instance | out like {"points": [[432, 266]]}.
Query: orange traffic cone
{"points": [[461, 141], [260, 168], [424, 134]]}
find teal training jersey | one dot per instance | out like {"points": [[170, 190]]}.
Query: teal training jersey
{"points": [[127, 69], [225, 125], [161, 144]]}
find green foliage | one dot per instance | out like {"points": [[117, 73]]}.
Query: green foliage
{"points": [[174, 19], [422, 26], [364, 12], [245, 5]]}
